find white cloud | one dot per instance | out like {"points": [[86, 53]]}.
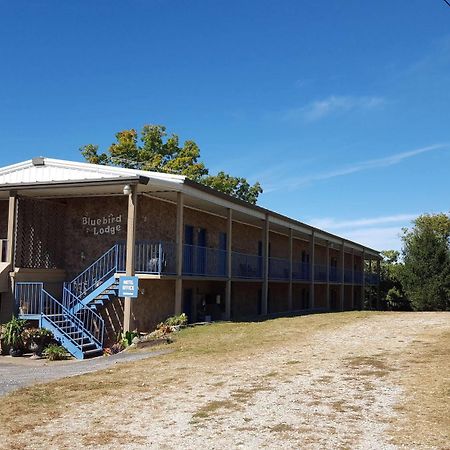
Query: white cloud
{"points": [[293, 183], [333, 104], [369, 231], [333, 224]]}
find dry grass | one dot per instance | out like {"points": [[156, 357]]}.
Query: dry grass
{"points": [[206, 365], [424, 413]]}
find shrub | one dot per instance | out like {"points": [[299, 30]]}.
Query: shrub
{"points": [[182, 320], [55, 352]]}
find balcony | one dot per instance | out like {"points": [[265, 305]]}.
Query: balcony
{"points": [[278, 268], [301, 271], [320, 272], [246, 266], [348, 276], [204, 261], [335, 275]]}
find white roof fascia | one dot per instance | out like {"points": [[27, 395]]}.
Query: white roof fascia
{"points": [[202, 195]]}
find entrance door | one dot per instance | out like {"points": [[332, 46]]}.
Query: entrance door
{"points": [[187, 304]]}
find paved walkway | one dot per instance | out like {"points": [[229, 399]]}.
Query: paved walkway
{"points": [[20, 372]]}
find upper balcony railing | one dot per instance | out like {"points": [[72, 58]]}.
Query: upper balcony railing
{"points": [[3, 249], [204, 261], [320, 272], [335, 275], [278, 268], [348, 275], [301, 271], [244, 265]]}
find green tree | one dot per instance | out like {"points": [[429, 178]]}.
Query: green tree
{"points": [[155, 150], [392, 294], [426, 254]]}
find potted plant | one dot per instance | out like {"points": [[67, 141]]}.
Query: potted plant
{"points": [[13, 335], [37, 339]]}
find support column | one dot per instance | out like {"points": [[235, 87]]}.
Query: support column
{"points": [[12, 217], [328, 275], [363, 270], [370, 284], [312, 245], [179, 255], [265, 290], [378, 284], [128, 319], [229, 264], [342, 276], [353, 279], [291, 237]]}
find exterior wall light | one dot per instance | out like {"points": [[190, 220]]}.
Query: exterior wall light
{"points": [[127, 189]]}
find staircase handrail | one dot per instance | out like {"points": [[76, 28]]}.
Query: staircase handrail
{"points": [[91, 315], [64, 311], [94, 275]]}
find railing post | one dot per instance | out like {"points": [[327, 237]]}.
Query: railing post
{"points": [[159, 258]]}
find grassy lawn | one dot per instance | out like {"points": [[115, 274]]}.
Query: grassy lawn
{"points": [[222, 372]]}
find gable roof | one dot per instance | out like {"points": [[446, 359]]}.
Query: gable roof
{"points": [[48, 170]]}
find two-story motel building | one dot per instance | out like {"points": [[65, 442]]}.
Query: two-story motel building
{"points": [[68, 230]]}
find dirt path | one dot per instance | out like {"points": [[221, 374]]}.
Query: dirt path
{"points": [[336, 387]]}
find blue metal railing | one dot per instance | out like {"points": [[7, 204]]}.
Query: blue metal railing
{"points": [[301, 271], [246, 266], [320, 272], [348, 276], [358, 277], [153, 257], [40, 302], [278, 268], [28, 298], [198, 260], [335, 275]]}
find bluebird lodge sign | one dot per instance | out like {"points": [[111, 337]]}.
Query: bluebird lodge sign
{"points": [[100, 226], [128, 287]]}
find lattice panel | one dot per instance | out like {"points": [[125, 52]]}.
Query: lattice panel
{"points": [[39, 234]]}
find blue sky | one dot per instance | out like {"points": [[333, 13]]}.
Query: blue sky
{"points": [[341, 109]]}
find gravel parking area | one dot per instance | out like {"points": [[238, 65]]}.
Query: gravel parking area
{"points": [[21, 372]]}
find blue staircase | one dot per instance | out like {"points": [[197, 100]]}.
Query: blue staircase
{"points": [[81, 333], [75, 321]]}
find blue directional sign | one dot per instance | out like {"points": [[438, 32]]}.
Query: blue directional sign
{"points": [[128, 287]]}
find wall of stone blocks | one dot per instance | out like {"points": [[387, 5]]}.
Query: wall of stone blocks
{"points": [[245, 300], [214, 225], [278, 298], [246, 238], [279, 245], [320, 296], [300, 296]]}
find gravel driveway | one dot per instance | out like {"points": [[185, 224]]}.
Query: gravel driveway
{"points": [[20, 372]]}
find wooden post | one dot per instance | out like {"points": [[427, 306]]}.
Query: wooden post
{"points": [[342, 276], [353, 279], [312, 245], [179, 255], [378, 284], [363, 286], [229, 264], [12, 213], [328, 275], [265, 291], [128, 320], [291, 237]]}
